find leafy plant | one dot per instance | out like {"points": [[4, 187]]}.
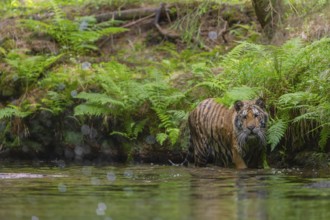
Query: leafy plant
{"points": [[71, 35], [293, 78], [275, 132], [132, 129], [162, 99], [238, 93], [11, 111], [29, 69], [12, 117]]}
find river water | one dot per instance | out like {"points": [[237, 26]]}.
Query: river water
{"points": [[161, 192]]}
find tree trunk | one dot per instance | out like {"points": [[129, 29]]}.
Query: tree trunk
{"points": [[268, 13]]}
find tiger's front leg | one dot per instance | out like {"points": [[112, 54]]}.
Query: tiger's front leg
{"points": [[237, 159]]}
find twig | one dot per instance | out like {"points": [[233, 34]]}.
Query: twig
{"points": [[137, 21], [223, 31], [184, 163]]}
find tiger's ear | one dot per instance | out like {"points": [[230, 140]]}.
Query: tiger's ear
{"points": [[238, 105], [261, 103]]}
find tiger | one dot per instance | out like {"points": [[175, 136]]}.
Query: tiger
{"points": [[228, 136]]}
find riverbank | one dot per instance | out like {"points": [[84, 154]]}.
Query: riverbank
{"points": [[86, 83]]}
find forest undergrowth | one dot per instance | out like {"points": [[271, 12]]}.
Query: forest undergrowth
{"points": [[76, 88]]}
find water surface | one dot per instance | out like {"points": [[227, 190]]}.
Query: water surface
{"points": [[161, 192]]}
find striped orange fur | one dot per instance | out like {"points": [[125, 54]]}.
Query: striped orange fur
{"points": [[228, 136]]}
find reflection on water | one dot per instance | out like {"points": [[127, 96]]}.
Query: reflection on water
{"points": [[161, 192]]}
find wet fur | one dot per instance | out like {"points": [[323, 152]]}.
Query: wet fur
{"points": [[228, 136]]}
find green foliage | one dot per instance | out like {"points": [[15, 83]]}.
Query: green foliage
{"points": [[55, 102], [99, 99], [132, 129], [190, 21], [165, 101], [90, 109], [238, 93], [324, 136], [297, 100], [276, 131], [97, 104], [71, 35], [154, 94], [29, 69], [12, 111], [303, 7], [11, 117], [293, 78]]}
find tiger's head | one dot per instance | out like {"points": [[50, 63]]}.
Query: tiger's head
{"points": [[250, 122]]}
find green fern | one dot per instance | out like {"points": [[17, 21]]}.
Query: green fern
{"points": [[219, 86], [97, 104], [178, 115], [99, 98], [91, 110], [67, 32], [276, 132], [161, 138], [324, 136], [173, 135], [298, 100], [237, 93], [55, 102], [29, 69], [164, 101], [12, 111], [132, 129]]}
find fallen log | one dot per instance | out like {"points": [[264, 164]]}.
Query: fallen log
{"points": [[128, 14]]}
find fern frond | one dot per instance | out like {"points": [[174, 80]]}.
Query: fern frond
{"points": [[306, 116], [244, 48], [213, 84], [165, 119], [138, 127], [324, 136], [120, 133], [59, 14], [161, 138], [91, 110], [110, 30], [36, 25], [7, 112], [99, 99], [110, 87], [297, 100], [173, 135], [237, 93], [276, 131], [179, 115], [132, 129], [12, 111], [81, 37]]}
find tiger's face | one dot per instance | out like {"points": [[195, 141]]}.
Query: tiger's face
{"points": [[250, 122]]}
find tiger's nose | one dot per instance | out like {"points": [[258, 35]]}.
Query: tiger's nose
{"points": [[251, 127]]}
